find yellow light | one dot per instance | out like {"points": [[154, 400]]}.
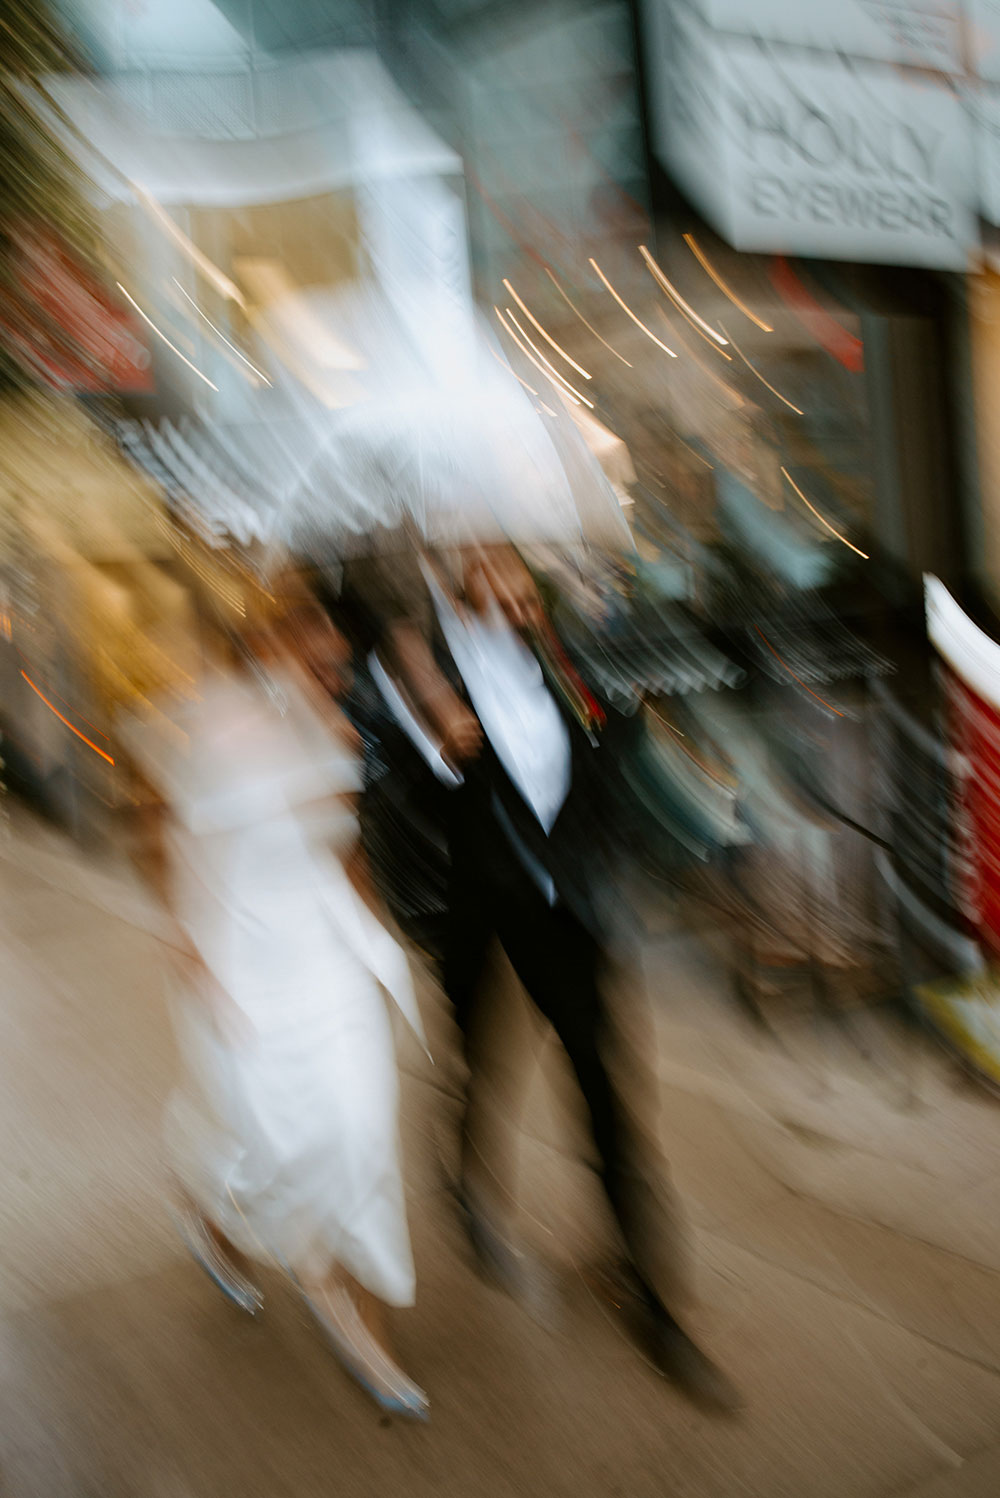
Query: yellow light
{"points": [[529, 355], [727, 291], [561, 378], [676, 297], [547, 336], [575, 309], [754, 371], [716, 349], [631, 314], [172, 346], [209, 271], [219, 333], [833, 531], [732, 395], [829, 705], [53, 709]]}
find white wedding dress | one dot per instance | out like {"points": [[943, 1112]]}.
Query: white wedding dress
{"points": [[284, 1129]]}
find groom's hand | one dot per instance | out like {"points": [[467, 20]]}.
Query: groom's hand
{"points": [[457, 727]]}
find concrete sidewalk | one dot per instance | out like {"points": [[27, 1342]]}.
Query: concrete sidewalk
{"points": [[846, 1217]]}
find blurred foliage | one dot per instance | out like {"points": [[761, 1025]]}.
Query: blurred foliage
{"points": [[41, 189]]}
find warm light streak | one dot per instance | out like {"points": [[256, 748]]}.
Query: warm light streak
{"points": [[727, 291], [676, 297], [733, 396], [229, 595], [72, 728], [833, 531], [631, 314], [693, 451], [551, 367], [504, 365], [695, 328], [211, 272], [172, 346], [828, 705], [575, 309], [529, 355], [547, 336], [219, 333], [754, 371]]}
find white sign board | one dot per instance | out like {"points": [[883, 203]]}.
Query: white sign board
{"points": [[786, 150], [846, 162], [922, 33]]}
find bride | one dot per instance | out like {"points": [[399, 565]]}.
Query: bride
{"points": [[283, 1134]]}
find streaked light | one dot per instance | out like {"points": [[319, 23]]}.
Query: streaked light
{"points": [[219, 333], [832, 529], [62, 719], [547, 336], [676, 297], [229, 595], [211, 272], [529, 355], [575, 309], [631, 314], [727, 291], [754, 371], [504, 365], [713, 345], [786, 667], [172, 346], [732, 395], [534, 347], [693, 451]]}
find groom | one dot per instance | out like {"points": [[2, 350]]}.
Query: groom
{"points": [[524, 757]]}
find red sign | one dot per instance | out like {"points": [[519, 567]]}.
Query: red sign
{"points": [[976, 728], [830, 334], [65, 328]]}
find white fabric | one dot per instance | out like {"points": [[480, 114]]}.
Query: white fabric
{"points": [[451, 446], [515, 707], [428, 749], [285, 1125], [336, 120], [970, 653]]}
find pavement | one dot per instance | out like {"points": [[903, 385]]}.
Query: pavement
{"points": [[843, 1195]]}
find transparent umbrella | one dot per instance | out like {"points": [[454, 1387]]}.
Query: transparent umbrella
{"points": [[450, 446]]}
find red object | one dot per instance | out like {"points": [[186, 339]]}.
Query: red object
{"points": [[976, 729], [68, 330], [830, 334]]}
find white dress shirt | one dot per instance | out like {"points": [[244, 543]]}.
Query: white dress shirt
{"points": [[515, 707]]}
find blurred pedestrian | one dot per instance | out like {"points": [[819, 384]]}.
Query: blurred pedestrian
{"points": [[489, 700], [283, 1134]]}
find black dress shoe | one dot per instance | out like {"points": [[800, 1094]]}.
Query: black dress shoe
{"points": [[678, 1358], [663, 1341], [508, 1267]]}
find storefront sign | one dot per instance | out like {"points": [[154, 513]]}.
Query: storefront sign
{"points": [[922, 33], [973, 689], [790, 150]]}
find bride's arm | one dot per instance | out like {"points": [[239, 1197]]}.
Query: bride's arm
{"points": [[429, 691]]}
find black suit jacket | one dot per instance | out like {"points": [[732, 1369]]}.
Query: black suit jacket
{"points": [[424, 837]]}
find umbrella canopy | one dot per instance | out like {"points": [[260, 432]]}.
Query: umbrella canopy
{"points": [[451, 445]]}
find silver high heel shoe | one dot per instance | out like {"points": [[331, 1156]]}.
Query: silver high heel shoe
{"points": [[368, 1364], [193, 1230]]}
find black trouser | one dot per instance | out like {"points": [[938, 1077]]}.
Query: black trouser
{"points": [[559, 963]]}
